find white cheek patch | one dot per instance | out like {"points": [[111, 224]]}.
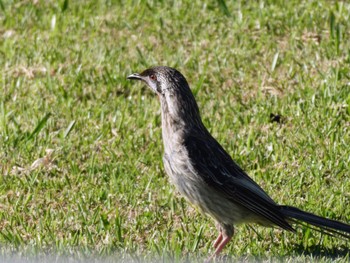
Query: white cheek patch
{"points": [[153, 86]]}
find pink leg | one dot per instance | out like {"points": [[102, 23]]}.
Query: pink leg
{"points": [[218, 240], [222, 245], [219, 244]]}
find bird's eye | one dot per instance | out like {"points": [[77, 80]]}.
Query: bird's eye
{"points": [[153, 77]]}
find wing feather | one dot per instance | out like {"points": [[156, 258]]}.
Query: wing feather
{"points": [[219, 171]]}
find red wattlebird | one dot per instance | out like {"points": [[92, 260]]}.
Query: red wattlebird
{"points": [[206, 175]]}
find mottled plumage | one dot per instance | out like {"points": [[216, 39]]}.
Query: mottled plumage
{"points": [[206, 175]]}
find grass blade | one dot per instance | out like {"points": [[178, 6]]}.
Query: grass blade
{"points": [[40, 126], [274, 62], [65, 5], [223, 7], [69, 129]]}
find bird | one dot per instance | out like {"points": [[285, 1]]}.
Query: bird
{"points": [[206, 175]]}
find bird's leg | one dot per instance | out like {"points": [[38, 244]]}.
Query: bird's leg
{"points": [[223, 243], [219, 244], [218, 240]]}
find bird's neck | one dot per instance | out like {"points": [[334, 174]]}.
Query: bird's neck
{"points": [[178, 121]]}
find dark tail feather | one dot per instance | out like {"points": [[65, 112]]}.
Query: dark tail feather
{"points": [[330, 227]]}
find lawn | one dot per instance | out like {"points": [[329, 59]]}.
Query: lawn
{"points": [[81, 173]]}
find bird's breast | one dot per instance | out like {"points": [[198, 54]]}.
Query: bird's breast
{"points": [[181, 173]]}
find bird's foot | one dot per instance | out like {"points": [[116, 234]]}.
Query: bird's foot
{"points": [[219, 244]]}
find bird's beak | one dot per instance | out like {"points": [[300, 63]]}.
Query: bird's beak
{"points": [[135, 76]]}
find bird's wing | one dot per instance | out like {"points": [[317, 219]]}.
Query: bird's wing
{"points": [[219, 171]]}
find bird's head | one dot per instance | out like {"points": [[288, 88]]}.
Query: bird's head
{"points": [[177, 100], [162, 79]]}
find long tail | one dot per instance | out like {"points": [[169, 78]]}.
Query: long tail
{"points": [[328, 226]]}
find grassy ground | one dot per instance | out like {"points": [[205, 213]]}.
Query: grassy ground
{"points": [[80, 159]]}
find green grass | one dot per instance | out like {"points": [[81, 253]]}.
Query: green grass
{"points": [[100, 189]]}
